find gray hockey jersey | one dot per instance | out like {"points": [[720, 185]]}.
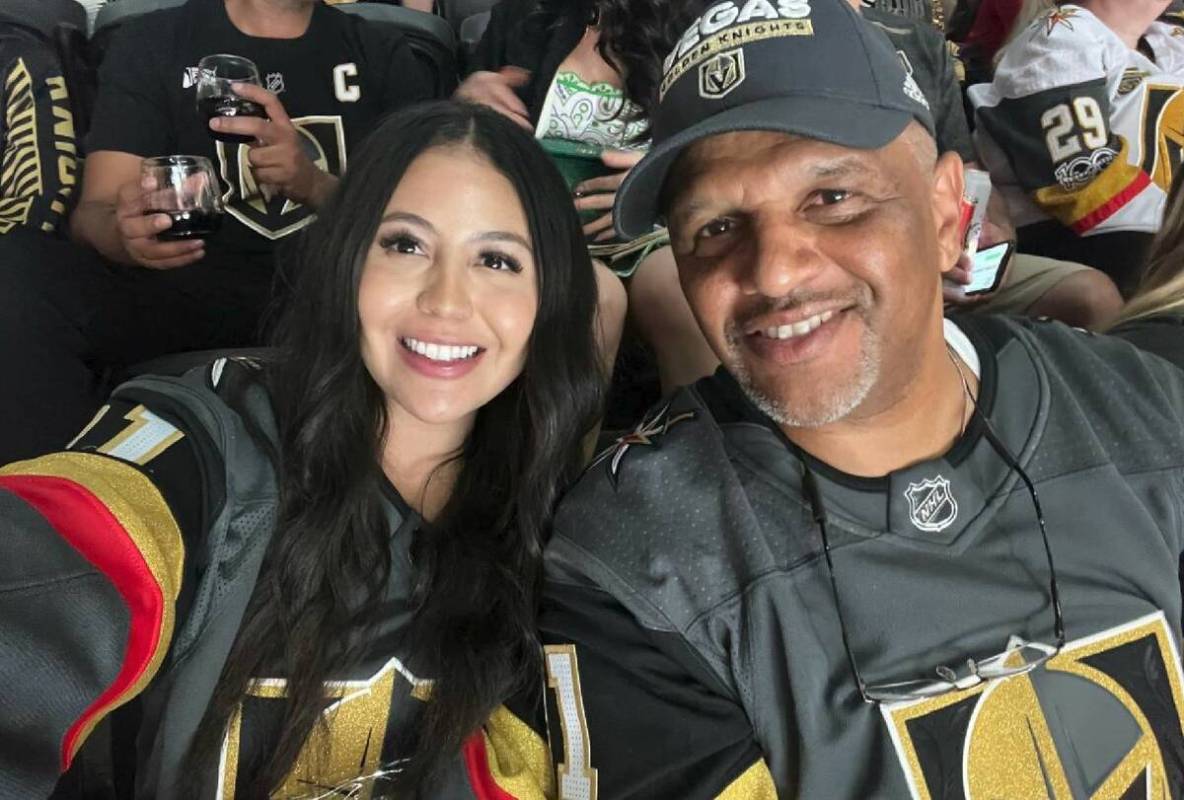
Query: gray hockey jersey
{"points": [[693, 644]]}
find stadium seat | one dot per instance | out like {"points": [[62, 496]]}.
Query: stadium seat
{"points": [[180, 363], [457, 11], [44, 16], [430, 37], [472, 29], [114, 14]]}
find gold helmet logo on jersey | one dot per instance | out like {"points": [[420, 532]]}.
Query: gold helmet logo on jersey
{"points": [[1101, 720], [275, 216], [1163, 133], [343, 754]]}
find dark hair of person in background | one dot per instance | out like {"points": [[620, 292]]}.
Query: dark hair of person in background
{"points": [[477, 565]]}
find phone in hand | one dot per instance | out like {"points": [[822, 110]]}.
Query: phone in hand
{"points": [[987, 268]]}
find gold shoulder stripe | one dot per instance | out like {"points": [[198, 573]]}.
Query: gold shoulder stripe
{"points": [[141, 511], [1085, 208], [519, 759], [756, 783]]}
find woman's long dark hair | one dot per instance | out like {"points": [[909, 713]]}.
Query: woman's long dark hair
{"points": [[478, 565]]}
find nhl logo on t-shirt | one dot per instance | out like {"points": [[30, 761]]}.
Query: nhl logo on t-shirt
{"points": [[721, 74], [932, 506]]}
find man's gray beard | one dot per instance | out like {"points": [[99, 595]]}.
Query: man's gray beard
{"points": [[843, 401]]}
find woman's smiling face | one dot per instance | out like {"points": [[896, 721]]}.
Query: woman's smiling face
{"points": [[449, 291]]}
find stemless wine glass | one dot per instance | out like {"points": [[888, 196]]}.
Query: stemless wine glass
{"points": [[216, 75], [185, 188]]}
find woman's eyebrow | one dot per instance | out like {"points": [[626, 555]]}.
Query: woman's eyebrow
{"points": [[503, 236], [407, 216]]}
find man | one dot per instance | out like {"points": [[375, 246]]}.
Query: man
{"points": [[773, 586], [1032, 285], [328, 77], [1082, 130]]}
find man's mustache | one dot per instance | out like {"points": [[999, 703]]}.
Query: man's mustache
{"points": [[773, 305]]}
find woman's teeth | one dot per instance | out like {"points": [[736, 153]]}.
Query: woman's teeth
{"points": [[440, 352], [797, 328]]}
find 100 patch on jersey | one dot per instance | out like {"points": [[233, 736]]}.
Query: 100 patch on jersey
{"points": [[1100, 720], [275, 217]]}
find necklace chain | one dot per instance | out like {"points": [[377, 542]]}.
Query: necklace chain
{"points": [[967, 397]]}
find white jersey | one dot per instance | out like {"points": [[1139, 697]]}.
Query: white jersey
{"points": [[1080, 128]]}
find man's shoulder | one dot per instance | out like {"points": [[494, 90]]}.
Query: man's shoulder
{"points": [[149, 37], [1066, 46], [161, 21], [672, 434], [1131, 399], [673, 520], [372, 39]]}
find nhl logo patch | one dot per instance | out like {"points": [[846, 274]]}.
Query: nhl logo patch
{"points": [[722, 73], [275, 82], [932, 506]]}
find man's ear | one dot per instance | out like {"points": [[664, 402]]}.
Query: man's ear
{"points": [[948, 187]]}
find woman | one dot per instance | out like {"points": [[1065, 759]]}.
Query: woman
{"points": [[1153, 319], [585, 71], [320, 575]]}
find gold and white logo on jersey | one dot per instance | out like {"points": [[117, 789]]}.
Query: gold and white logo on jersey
{"points": [[343, 755], [1100, 720], [275, 217]]}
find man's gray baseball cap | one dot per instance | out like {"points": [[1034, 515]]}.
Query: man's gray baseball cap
{"points": [[808, 67]]}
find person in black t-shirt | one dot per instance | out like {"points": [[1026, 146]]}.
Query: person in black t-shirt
{"points": [[328, 76]]}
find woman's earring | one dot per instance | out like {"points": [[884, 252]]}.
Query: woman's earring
{"points": [[594, 16]]}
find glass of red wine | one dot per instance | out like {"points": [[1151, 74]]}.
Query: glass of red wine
{"points": [[216, 76], [185, 188]]}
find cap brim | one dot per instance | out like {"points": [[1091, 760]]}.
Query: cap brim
{"points": [[828, 119]]}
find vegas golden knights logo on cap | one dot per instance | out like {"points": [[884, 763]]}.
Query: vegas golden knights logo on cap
{"points": [[721, 74]]}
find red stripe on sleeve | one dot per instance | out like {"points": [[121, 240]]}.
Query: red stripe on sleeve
{"points": [[477, 765], [1113, 205], [81, 519]]}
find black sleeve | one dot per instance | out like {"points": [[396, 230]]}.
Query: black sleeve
{"points": [[407, 79], [511, 38], [38, 153], [634, 713], [953, 129], [94, 559], [132, 107]]}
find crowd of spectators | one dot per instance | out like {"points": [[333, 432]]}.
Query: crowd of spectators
{"points": [[1072, 111], [1075, 110]]}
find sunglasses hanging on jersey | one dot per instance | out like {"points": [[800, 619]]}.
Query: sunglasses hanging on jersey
{"points": [[1017, 659]]}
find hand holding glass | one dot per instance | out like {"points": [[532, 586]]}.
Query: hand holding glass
{"points": [[187, 190], [216, 77]]}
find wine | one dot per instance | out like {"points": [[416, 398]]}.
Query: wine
{"points": [[196, 223], [230, 106]]}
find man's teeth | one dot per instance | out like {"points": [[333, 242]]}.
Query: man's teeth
{"points": [[797, 328], [440, 352]]}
